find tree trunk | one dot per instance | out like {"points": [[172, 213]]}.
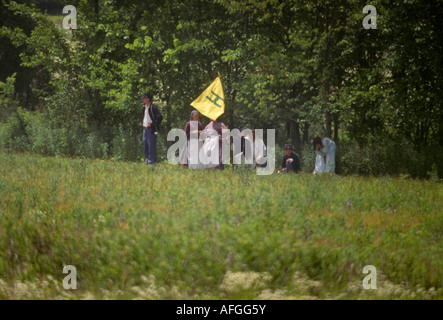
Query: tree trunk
{"points": [[440, 130], [288, 130], [305, 131], [296, 137], [328, 120], [439, 162], [96, 7], [336, 124]]}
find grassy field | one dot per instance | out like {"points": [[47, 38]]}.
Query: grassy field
{"points": [[57, 19], [138, 232]]}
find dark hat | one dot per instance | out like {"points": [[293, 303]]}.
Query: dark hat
{"points": [[148, 95], [288, 147]]}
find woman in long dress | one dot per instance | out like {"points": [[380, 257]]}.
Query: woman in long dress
{"points": [[325, 154], [255, 148], [214, 135], [193, 148]]}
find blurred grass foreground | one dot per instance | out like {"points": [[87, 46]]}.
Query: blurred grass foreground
{"points": [[137, 232]]}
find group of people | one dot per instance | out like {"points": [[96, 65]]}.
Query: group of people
{"points": [[252, 149], [324, 147], [324, 160], [214, 139]]}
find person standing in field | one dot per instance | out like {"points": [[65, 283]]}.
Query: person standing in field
{"points": [[325, 154], [151, 122], [290, 162], [186, 156]]}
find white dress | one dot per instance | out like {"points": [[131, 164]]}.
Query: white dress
{"points": [[211, 153], [194, 150], [258, 147], [328, 150], [189, 154]]}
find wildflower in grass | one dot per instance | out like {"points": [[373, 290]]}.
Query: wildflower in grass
{"points": [[237, 281]]}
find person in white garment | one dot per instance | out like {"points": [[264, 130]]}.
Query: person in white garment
{"points": [[255, 147], [216, 134], [193, 127], [325, 154]]}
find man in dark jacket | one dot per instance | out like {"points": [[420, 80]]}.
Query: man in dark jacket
{"points": [[151, 122], [290, 161]]}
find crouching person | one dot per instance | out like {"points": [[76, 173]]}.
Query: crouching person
{"points": [[290, 161]]}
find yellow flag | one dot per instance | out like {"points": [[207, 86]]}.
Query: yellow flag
{"points": [[211, 102]]}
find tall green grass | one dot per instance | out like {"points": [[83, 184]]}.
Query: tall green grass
{"points": [[134, 231]]}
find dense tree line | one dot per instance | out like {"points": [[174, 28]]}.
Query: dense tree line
{"points": [[301, 67]]}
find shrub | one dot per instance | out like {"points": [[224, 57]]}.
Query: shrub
{"points": [[383, 155], [13, 135], [307, 159], [126, 145], [94, 147]]}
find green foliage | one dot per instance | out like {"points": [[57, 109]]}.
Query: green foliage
{"points": [[382, 155], [33, 48], [26, 131], [8, 99], [126, 145], [307, 159], [13, 135], [298, 67]]}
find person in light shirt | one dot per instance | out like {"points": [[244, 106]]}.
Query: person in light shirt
{"points": [[151, 122], [325, 154]]}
